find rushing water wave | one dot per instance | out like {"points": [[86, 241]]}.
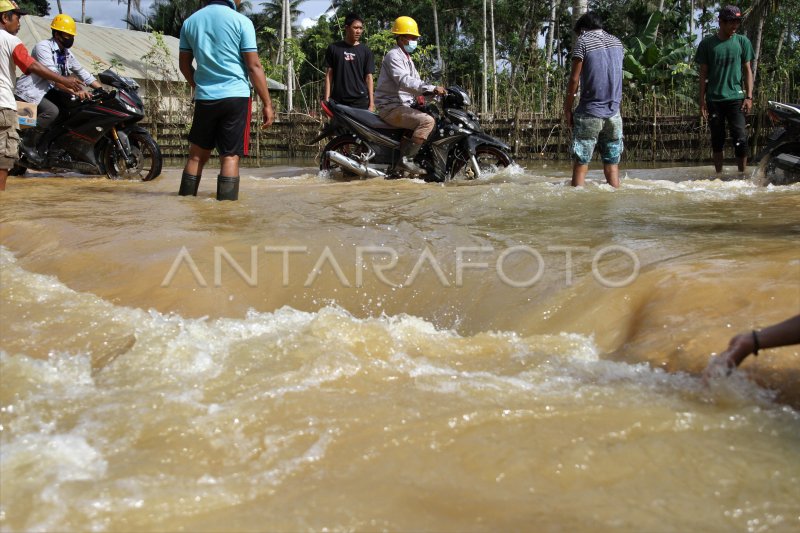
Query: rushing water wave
{"points": [[503, 354]]}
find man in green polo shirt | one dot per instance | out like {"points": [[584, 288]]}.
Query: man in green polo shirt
{"points": [[726, 85]]}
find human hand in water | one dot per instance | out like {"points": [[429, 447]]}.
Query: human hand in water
{"points": [[723, 364], [782, 334]]}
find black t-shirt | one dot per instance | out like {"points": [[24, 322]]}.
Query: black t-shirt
{"points": [[350, 66]]}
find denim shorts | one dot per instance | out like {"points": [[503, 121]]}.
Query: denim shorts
{"points": [[605, 132]]}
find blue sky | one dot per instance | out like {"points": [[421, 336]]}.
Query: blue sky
{"points": [[111, 13]]}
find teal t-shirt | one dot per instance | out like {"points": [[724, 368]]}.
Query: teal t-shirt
{"points": [[724, 60], [217, 36]]}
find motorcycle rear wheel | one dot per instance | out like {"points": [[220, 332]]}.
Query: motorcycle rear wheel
{"points": [[769, 173], [348, 146], [491, 159], [146, 155]]}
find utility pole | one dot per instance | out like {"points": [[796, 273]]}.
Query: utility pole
{"points": [[485, 99]]}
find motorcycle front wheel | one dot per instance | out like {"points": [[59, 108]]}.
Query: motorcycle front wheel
{"points": [[348, 146], [491, 159], [146, 157]]}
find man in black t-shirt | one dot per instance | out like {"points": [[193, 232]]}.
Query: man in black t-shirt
{"points": [[348, 78]]}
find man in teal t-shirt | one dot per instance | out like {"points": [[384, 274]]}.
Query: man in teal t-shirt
{"points": [[726, 85], [222, 42]]}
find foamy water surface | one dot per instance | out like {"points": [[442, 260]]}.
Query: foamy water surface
{"points": [[506, 354]]}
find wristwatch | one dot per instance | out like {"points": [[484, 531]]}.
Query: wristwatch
{"points": [[748, 97]]}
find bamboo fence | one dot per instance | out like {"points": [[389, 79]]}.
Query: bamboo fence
{"points": [[531, 136]]}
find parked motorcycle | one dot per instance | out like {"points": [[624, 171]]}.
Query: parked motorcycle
{"points": [[363, 145], [779, 160], [99, 135]]}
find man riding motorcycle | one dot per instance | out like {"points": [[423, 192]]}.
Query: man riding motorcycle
{"points": [[398, 85], [54, 54]]}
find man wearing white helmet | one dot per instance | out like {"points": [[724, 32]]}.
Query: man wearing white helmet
{"points": [[54, 54], [398, 85]]}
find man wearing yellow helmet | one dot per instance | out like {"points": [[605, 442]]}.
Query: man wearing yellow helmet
{"points": [[13, 55], [398, 85], [54, 54]]}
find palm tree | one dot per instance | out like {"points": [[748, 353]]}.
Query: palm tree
{"points": [[273, 11], [754, 22], [579, 7], [436, 35], [137, 4], [167, 16], [273, 16], [484, 92]]}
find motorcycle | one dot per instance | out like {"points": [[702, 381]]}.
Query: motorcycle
{"points": [[365, 146], [779, 160], [99, 135]]}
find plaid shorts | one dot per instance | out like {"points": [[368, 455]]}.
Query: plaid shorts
{"points": [[589, 130]]}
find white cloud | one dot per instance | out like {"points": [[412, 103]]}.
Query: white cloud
{"points": [[112, 13]]}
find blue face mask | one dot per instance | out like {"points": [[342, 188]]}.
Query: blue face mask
{"points": [[410, 47]]}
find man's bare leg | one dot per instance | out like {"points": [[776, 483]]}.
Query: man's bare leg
{"points": [[717, 157], [611, 172], [579, 172]]}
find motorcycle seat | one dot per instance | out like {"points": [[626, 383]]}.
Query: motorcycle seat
{"points": [[789, 108], [364, 116]]}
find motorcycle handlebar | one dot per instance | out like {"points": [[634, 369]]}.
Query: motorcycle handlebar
{"points": [[101, 94]]}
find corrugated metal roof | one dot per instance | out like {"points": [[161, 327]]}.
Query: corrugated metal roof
{"points": [[98, 44]]}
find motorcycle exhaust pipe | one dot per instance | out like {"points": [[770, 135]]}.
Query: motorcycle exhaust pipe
{"points": [[354, 166]]}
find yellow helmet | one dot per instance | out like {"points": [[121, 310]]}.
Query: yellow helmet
{"points": [[405, 26], [64, 23]]}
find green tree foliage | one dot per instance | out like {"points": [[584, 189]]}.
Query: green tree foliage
{"points": [[268, 23], [167, 16], [313, 45], [659, 43], [35, 7], [652, 64]]}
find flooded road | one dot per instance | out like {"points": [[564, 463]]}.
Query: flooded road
{"points": [[395, 355]]}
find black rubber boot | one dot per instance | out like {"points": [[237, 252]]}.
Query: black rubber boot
{"points": [[189, 185], [227, 187], [408, 151], [30, 142]]}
